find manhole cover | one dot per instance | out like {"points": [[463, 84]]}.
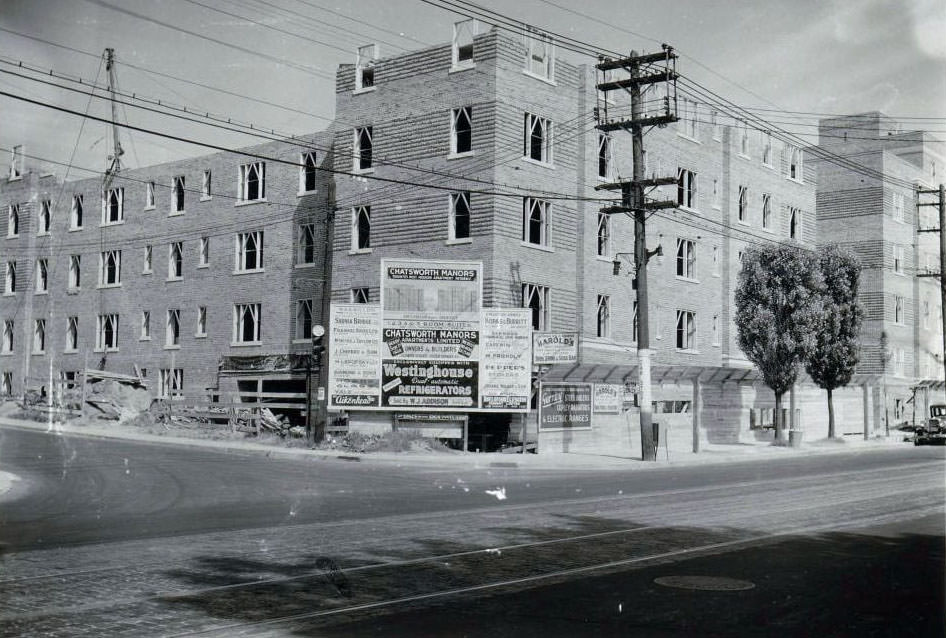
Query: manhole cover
{"points": [[705, 583]]}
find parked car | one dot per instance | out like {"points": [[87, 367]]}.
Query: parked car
{"points": [[933, 432]]}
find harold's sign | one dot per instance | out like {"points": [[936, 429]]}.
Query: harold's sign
{"points": [[554, 347]]}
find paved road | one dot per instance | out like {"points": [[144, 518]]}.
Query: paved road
{"points": [[118, 538]]}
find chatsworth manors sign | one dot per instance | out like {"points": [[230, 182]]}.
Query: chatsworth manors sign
{"points": [[438, 349]]}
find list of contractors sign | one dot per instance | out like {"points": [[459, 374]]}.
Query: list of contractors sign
{"points": [[505, 366], [437, 348], [355, 356]]}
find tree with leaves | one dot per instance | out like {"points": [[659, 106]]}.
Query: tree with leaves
{"points": [[831, 361], [778, 309]]}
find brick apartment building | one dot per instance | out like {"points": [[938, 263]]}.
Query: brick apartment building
{"points": [[878, 220], [222, 260], [197, 272]]}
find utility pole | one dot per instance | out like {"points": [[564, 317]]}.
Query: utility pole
{"points": [[650, 69], [941, 204]]}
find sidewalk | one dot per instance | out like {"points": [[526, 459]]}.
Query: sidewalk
{"points": [[607, 460]]}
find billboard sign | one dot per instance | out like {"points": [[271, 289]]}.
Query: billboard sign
{"points": [[564, 406], [355, 356], [554, 347]]}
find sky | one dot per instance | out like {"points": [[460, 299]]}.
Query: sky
{"points": [[272, 62]]}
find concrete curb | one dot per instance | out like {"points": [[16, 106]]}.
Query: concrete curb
{"points": [[584, 461]]}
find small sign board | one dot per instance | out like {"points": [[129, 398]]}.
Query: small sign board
{"points": [[564, 406], [554, 347], [608, 398]]}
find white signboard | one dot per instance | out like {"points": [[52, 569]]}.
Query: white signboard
{"points": [[354, 356], [608, 398], [505, 364], [554, 347]]}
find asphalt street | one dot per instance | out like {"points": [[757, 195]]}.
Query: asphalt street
{"points": [[115, 538]]}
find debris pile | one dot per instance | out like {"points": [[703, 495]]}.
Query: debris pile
{"points": [[112, 396]]}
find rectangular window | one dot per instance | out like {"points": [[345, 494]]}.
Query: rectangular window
{"points": [[7, 384], [364, 66], [75, 218], [604, 235], [604, 155], [201, 321], [45, 218], [898, 316], [249, 251], [113, 206], [13, 220], [8, 335], [246, 323], [145, 325], [171, 382], [172, 334], [42, 275], [794, 224], [540, 54], [39, 336], [717, 127], [461, 130], [686, 330], [306, 254], [767, 148], [898, 206], [538, 138], [604, 316], [16, 162], [176, 260], [146, 267], [363, 148], [795, 167], [360, 295], [686, 258], [149, 195], [10, 282], [303, 318], [459, 226], [688, 118], [536, 221], [107, 333], [536, 298], [744, 140], [898, 259], [110, 268], [206, 186], [900, 362], [766, 211], [686, 188], [715, 330], [72, 334], [177, 195], [203, 258], [361, 228], [743, 204], [252, 186], [463, 33], [307, 172]]}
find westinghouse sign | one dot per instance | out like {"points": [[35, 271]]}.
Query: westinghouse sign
{"points": [[437, 348], [409, 384]]}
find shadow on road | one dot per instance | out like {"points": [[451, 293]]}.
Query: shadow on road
{"points": [[834, 584]]}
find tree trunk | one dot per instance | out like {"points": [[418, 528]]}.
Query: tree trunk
{"points": [[777, 418], [830, 415]]}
